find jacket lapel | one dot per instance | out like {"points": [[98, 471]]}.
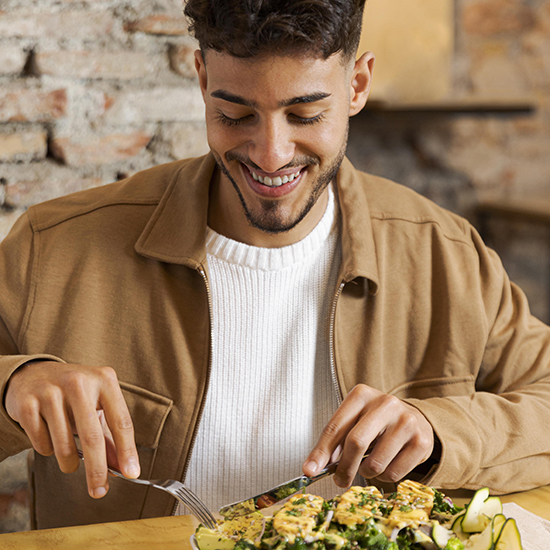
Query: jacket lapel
{"points": [[176, 232]]}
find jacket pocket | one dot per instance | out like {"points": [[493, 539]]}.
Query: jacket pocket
{"points": [[68, 492], [435, 387], [149, 412]]}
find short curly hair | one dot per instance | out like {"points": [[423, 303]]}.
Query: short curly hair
{"points": [[247, 28]]}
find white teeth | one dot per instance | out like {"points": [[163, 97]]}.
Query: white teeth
{"points": [[276, 181]]}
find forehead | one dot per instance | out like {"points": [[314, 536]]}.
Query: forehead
{"points": [[274, 77]]}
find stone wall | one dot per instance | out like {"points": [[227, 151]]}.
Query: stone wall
{"points": [[94, 90]]}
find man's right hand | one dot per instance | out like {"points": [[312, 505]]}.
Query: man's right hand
{"points": [[53, 402]]}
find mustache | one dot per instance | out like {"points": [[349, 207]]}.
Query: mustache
{"points": [[294, 163]]}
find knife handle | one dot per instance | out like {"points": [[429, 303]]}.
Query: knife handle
{"points": [[329, 469]]}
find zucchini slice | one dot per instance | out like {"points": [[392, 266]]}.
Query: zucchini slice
{"points": [[456, 528], [440, 535], [481, 511], [509, 537]]}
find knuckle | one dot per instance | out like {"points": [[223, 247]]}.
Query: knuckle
{"points": [[96, 476], [44, 448], [26, 411], [92, 439], [75, 382], [108, 374], [361, 391], [125, 424], [392, 476], [356, 443], [373, 465], [331, 430], [408, 421]]}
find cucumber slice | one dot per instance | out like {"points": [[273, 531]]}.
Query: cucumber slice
{"points": [[440, 535], [509, 537], [481, 511]]}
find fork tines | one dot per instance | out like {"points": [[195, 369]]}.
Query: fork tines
{"points": [[197, 506]]}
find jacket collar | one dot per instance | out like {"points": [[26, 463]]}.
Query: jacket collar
{"points": [[176, 232]]}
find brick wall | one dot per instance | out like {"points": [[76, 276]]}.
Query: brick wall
{"points": [[91, 92], [94, 90]]}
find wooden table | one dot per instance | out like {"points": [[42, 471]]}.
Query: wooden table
{"points": [[171, 533]]}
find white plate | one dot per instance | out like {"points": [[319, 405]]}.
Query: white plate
{"points": [[193, 541]]}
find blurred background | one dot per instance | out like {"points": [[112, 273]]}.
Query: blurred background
{"points": [[92, 91]]}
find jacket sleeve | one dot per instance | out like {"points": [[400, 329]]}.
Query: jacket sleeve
{"points": [[17, 262], [498, 436]]}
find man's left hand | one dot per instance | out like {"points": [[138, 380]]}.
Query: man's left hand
{"points": [[402, 435]]}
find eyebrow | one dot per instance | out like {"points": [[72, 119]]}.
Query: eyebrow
{"points": [[232, 98]]}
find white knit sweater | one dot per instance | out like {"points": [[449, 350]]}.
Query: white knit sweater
{"points": [[271, 390]]}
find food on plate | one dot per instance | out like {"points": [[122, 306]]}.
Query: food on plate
{"points": [[415, 517]]}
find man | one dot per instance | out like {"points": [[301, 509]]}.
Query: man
{"points": [[266, 305]]}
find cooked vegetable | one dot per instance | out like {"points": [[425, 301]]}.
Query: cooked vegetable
{"points": [[415, 517]]}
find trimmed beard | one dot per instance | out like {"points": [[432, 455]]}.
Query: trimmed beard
{"points": [[268, 219]]}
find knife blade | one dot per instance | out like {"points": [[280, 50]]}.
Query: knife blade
{"points": [[277, 494]]}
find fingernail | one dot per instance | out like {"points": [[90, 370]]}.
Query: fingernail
{"points": [[312, 466], [100, 492], [133, 468]]}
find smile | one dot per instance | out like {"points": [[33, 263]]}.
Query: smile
{"points": [[276, 181]]}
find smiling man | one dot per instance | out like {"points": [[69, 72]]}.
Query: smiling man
{"points": [[235, 319]]}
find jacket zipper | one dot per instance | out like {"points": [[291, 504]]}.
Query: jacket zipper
{"points": [[210, 315], [332, 345]]}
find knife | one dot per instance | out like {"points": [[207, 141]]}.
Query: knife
{"points": [[278, 493]]}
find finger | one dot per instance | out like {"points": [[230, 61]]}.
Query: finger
{"points": [[35, 427], [93, 444], [110, 447], [59, 425], [387, 448], [358, 440], [335, 431], [120, 425], [406, 460]]}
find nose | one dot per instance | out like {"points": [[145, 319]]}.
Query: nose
{"points": [[272, 146]]}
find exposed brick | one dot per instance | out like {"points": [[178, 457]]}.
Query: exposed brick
{"points": [[489, 17], [159, 24], [30, 105], [96, 65], [95, 149], [29, 192], [182, 60], [23, 147], [157, 105], [12, 60], [188, 139], [79, 24], [7, 219]]}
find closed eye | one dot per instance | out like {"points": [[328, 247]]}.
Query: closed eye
{"points": [[307, 120], [224, 119]]}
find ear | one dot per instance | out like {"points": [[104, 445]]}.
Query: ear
{"points": [[361, 79], [200, 67]]}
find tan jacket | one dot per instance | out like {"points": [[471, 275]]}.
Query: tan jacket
{"points": [[117, 276]]}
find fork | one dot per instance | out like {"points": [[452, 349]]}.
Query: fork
{"points": [[177, 490]]}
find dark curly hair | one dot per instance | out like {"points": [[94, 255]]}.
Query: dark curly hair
{"points": [[246, 28]]}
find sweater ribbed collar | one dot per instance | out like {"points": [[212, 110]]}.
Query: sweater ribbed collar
{"points": [[273, 259]]}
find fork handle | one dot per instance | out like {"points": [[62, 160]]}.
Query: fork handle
{"points": [[118, 473]]}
